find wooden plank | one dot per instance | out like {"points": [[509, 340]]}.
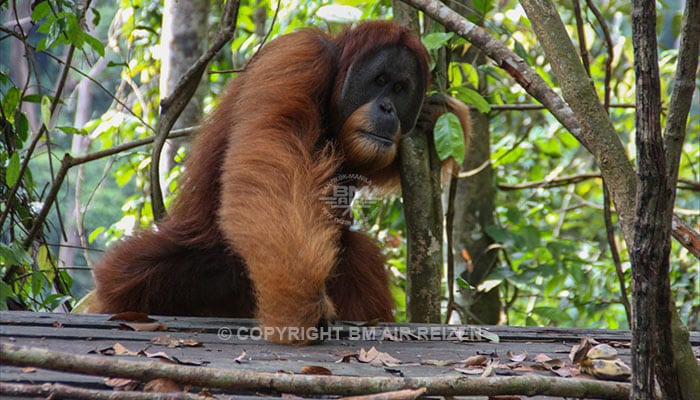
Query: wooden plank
{"points": [[82, 334]]}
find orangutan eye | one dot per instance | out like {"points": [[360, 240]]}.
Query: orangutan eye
{"points": [[380, 80], [398, 87]]}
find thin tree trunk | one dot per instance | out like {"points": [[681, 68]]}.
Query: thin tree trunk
{"points": [[184, 36]]}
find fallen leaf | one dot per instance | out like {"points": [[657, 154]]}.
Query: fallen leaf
{"points": [[241, 358], [542, 358], [120, 350], [471, 370], [394, 371], [169, 341], [375, 357], [57, 324], [131, 316], [609, 370], [578, 351], [602, 351], [144, 327], [315, 370], [28, 370], [346, 356], [478, 359], [121, 384], [516, 357], [172, 359], [162, 385]]}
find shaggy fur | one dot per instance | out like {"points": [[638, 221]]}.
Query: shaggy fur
{"points": [[248, 234]]}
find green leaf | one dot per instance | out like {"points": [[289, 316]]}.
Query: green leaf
{"points": [[37, 282], [71, 130], [46, 111], [472, 97], [95, 233], [94, 43], [41, 10], [5, 292], [449, 138], [436, 40], [12, 172], [21, 127]]}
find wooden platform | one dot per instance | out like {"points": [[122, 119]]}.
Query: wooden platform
{"points": [[417, 350]]}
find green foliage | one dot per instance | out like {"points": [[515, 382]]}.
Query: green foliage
{"points": [[555, 266], [449, 138]]}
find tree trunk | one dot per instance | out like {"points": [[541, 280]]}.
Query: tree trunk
{"points": [[474, 211], [184, 40], [421, 190]]}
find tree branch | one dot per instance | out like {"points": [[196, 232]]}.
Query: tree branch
{"points": [[579, 92], [242, 380], [59, 391], [172, 106], [595, 132]]}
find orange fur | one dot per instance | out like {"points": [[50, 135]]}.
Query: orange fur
{"points": [[249, 234]]}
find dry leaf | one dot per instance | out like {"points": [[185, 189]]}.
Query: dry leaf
{"points": [[120, 350], [516, 357], [169, 341], [121, 384], [162, 385], [144, 327], [578, 352], [346, 356], [375, 357], [57, 324], [315, 370], [602, 351], [478, 359], [240, 358], [131, 316], [471, 370], [609, 370], [542, 358], [28, 370]]}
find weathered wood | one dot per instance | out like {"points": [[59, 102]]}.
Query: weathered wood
{"points": [[223, 340]]}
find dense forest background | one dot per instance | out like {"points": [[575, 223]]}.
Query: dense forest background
{"points": [[532, 227]]}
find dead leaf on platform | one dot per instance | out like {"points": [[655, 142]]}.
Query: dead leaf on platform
{"points": [[558, 367], [242, 358], [57, 324], [602, 351], [578, 352], [516, 357], [131, 316], [478, 359], [346, 356], [162, 385], [28, 370], [375, 357], [116, 349], [542, 358], [169, 341], [471, 370], [121, 384], [315, 370], [172, 359], [120, 350], [609, 370], [144, 327]]}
